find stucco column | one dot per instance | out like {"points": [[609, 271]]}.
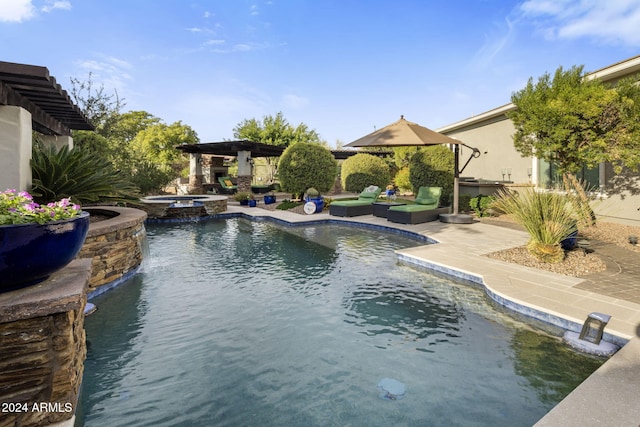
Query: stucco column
{"points": [[57, 141], [244, 171], [15, 148], [195, 173]]}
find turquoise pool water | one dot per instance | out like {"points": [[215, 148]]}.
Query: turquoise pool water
{"points": [[240, 323]]}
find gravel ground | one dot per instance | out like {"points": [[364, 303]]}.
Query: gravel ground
{"points": [[577, 263]]}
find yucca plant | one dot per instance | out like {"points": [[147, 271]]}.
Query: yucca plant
{"points": [[76, 174], [549, 218]]}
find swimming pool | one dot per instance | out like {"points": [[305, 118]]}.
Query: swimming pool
{"points": [[234, 322]]}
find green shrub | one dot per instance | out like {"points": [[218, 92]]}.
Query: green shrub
{"points": [[433, 167], [150, 178], [480, 205], [285, 205], [304, 165], [241, 196], [549, 218], [363, 170], [81, 175], [402, 180], [464, 202]]}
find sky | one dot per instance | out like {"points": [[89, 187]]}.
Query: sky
{"points": [[341, 67]]}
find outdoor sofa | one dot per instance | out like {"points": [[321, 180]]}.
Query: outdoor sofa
{"points": [[362, 206], [425, 208]]}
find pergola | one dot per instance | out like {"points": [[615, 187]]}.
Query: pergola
{"points": [[31, 99], [32, 88]]}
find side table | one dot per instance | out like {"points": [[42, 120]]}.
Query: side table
{"points": [[380, 208]]}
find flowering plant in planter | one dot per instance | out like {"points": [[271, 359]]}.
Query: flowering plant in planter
{"points": [[37, 240], [18, 207]]}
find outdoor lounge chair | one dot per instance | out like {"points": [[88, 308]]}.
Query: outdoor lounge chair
{"points": [[425, 208], [228, 187], [362, 206]]}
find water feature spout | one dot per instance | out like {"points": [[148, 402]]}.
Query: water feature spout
{"points": [[595, 322], [590, 338]]}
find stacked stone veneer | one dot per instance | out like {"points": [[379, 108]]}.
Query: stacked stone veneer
{"points": [[114, 245], [42, 348], [160, 206], [244, 183]]}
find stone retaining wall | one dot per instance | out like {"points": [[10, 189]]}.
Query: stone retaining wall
{"points": [[114, 245], [42, 343]]}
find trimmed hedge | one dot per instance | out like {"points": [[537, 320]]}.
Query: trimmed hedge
{"points": [[304, 165], [433, 167], [363, 170]]}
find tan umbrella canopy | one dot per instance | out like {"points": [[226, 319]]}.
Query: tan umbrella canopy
{"points": [[400, 134], [405, 133]]}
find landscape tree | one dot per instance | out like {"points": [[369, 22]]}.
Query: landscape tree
{"points": [[139, 145], [574, 121], [100, 108], [274, 131]]}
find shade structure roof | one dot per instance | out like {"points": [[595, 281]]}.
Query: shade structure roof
{"points": [[400, 134], [257, 149], [32, 88], [231, 148]]}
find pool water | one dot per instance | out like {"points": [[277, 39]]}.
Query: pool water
{"points": [[241, 323]]}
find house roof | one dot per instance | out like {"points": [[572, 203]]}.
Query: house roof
{"points": [[32, 88]]}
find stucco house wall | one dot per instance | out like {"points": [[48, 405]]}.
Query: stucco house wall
{"points": [[491, 132]]}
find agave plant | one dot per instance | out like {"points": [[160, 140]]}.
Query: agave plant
{"points": [[549, 218], [76, 174]]}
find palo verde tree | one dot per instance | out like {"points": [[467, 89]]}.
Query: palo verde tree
{"points": [[274, 130], [574, 121]]}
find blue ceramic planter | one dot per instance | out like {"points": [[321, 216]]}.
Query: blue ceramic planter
{"points": [[29, 253], [319, 202], [570, 242], [269, 199]]}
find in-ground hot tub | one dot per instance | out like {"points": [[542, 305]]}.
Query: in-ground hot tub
{"points": [[191, 206]]}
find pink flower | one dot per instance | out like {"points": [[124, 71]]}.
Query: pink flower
{"points": [[25, 195]]}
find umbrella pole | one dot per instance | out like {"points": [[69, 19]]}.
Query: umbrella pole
{"points": [[455, 217], [456, 178]]}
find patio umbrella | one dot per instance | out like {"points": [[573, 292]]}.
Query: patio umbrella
{"points": [[405, 133]]}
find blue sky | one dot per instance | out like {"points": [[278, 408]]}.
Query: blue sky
{"points": [[343, 67]]}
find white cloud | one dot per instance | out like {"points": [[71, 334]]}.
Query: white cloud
{"points": [[610, 22], [16, 10], [51, 5], [23, 10], [493, 45], [294, 101], [214, 42], [109, 71]]}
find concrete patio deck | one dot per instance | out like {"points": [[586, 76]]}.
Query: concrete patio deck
{"points": [[610, 395]]}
